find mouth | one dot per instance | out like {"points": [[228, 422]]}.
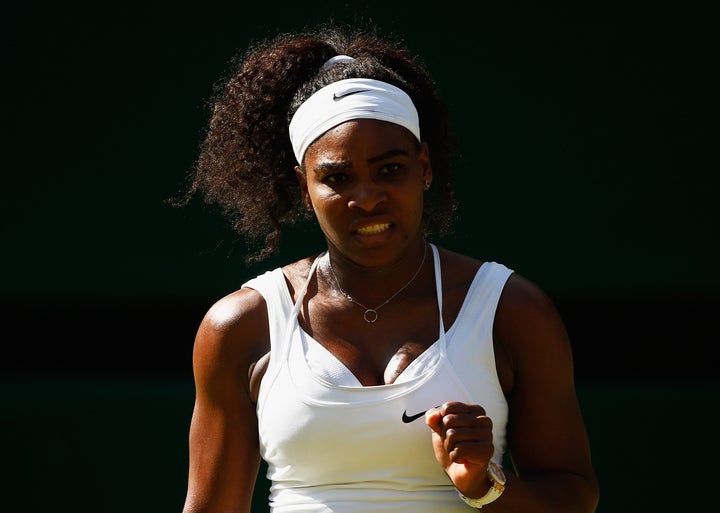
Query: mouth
{"points": [[373, 229]]}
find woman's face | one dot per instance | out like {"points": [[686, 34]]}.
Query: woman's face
{"points": [[365, 179]]}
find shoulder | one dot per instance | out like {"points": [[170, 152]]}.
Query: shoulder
{"points": [[245, 309], [523, 297], [450, 257], [234, 332], [237, 310], [458, 269], [530, 332], [296, 273], [232, 335]]}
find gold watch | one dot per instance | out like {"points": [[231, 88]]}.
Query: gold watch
{"points": [[497, 478]]}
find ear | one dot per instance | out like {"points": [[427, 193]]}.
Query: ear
{"points": [[302, 180]]}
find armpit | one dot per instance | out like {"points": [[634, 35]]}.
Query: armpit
{"points": [[256, 371]]}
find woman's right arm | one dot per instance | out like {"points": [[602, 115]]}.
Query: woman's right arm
{"points": [[224, 455]]}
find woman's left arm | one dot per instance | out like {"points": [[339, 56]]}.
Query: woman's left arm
{"points": [[546, 433]]}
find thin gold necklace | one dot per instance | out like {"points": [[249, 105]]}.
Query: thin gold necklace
{"points": [[371, 314]]}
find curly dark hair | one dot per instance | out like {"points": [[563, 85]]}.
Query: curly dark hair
{"points": [[246, 163]]}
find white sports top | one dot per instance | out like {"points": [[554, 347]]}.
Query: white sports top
{"points": [[334, 446]]}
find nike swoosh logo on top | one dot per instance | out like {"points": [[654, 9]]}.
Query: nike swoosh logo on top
{"points": [[409, 418], [337, 97]]}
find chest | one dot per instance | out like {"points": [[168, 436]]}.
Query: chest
{"points": [[376, 353]]}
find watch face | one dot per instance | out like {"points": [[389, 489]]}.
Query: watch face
{"points": [[496, 473]]}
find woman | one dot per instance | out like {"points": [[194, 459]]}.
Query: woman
{"points": [[384, 373]]}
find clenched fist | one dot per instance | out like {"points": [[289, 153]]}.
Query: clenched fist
{"points": [[463, 444]]}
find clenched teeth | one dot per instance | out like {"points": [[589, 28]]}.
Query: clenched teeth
{"points": [[375, 228]]}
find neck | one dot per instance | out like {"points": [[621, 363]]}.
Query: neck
{"points": [[372, 285]]}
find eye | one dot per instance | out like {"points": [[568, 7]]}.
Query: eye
{"points": [[389, 169], [334, 178]]}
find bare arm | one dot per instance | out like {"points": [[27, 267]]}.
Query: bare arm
{"points": [[546, 434], [224, 456], [547, 438]]}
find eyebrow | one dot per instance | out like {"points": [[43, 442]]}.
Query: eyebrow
{"points": [[325, 167]]}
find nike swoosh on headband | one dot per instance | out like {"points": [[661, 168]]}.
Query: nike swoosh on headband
{"points": [[337, 97]]}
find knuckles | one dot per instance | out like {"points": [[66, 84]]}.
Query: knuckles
{"points": [[456, 407]]}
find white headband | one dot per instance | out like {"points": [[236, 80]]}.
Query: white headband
{"points": [[353, 98]]}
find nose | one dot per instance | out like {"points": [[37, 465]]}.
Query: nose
{"points": [[366, 195]]}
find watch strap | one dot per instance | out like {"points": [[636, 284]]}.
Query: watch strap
{"points": [[497, 478], [492, 494]]}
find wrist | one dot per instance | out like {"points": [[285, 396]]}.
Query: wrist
{"points": [[496, 480]]}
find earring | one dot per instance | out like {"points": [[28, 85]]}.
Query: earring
{"points": [[427, 184]]}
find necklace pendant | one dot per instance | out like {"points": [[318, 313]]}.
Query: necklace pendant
{"points": [[370, 315]]}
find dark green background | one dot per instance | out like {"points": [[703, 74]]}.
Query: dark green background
{"points": [[589, 165], [588, 159]]}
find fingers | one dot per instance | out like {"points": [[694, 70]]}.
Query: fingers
{"points": [[452, 407], [454, 414], [433, 418], [458, 408], [465, 430]]}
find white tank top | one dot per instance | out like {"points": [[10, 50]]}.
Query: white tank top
{"points": [[334, 446]]}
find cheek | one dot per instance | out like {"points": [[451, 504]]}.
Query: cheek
{"points": [[329, 223], [322, 198], [326, 206]]}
